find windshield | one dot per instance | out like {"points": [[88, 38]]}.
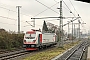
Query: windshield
{"points": [[30, 36]]}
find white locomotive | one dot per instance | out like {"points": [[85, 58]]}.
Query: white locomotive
{"points": [[35, 39]]}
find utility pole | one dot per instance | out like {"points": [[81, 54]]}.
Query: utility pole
{"points": [[72, 31], [79, 28], [61, 24], [18, 7], [34, 23], [68, 28], [60, 43]]}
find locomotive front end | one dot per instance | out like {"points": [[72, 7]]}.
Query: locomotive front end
{"points": [[29, 41]]}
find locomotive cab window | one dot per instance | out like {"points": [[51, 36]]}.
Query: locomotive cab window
{"points": [[30, 36]]}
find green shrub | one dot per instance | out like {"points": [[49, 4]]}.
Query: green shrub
{"points": [[9, 41]]}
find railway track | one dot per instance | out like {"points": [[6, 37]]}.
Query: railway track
{"points": [[11, 55], [75, 53], [17, 54]]}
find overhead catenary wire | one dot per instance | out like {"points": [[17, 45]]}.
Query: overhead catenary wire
{"points": [[63, 6], [30, 25], [22, 13], [5, 17], [75, 9], [10, 18], [7, 23], [69, 8], [55, 0], [73, 6], [46, 9], [7, 9], [46, 6], [41, 25], [70, 21], [14, 11], [66, 8]]}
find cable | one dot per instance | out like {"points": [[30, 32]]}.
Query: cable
{"points": [[47, 6], [73, 6], [68, 8], [80, 16], [75, 9], [63, 6], [7, 9], [8, 18], [13, 11], [55, 0], [30, 25], [7, 23], [37, 24], [45, 9]]}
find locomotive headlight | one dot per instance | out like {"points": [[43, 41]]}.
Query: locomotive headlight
{"points": [[25, 41], [24, 46], [32, 45], [34, 41]]}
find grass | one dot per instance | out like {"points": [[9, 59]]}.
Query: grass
{"points": [[50, 53]]}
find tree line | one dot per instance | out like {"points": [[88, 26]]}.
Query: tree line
{"points": [[56, 30]]}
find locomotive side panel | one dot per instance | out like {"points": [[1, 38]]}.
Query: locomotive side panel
{"points": [[48, 38]]}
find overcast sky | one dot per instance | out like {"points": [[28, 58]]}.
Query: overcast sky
{"points": [[30, 8]]}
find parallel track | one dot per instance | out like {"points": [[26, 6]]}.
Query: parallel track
{"points": [[75, 53]]}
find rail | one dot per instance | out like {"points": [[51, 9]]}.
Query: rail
{"points": [[12, 54], [78, 52], [75, 53]]}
